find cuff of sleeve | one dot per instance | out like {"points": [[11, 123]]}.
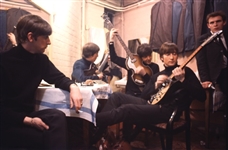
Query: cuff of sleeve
{"points": [[75, 84], [14, 45]]}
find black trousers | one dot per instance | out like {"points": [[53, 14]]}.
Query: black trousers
{"points": [[28, 137], [222, 80], [126, 108]]}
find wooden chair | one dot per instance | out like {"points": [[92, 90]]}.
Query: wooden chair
{"points": [[167, 130], [172, 127], [208, 110], [175, 125]]}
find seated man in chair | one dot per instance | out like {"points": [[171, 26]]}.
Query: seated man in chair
{"points": [[22, 69], [84, 68], [122, 107]]}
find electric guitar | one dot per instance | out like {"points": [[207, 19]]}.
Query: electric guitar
{"points": [[164, 89], [133, 60], [91, 70]]}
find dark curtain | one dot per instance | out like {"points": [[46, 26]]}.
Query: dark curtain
{"points": [[3, 36], [12, 16]]}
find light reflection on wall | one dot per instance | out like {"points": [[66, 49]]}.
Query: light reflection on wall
{"points": [[47, 5], [65, 19]]}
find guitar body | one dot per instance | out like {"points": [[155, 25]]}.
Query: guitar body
{"points": [[166, 93], [161, 94], [137, 78], [91, 71]]}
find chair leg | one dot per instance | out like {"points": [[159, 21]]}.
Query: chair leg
{"points": [[188, 138], [169, 142], [162, 141], [146, 137], [135, 132]]}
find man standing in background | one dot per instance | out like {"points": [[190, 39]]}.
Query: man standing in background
{"points": [[212, 58], [212, 61]]}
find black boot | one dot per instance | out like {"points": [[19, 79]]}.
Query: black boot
{"points": [[97, 134]]}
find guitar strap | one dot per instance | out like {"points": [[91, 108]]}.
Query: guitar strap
{"points": [[141, 88]]}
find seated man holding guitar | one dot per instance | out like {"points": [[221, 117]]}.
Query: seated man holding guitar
{"points": [[84, 68], [138, 72], [184, 88]]}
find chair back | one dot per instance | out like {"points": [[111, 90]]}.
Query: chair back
{"points": [[175, 125]]}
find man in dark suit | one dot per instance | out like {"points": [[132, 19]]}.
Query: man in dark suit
{"points": [[212, 58], [212, 61]]}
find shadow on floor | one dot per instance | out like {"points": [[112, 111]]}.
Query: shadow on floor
{"points": [[217, 140]]}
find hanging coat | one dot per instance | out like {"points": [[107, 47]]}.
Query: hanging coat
{"points": [[180, 37], [177, 24], [198, 9], [189, 37], [177, 8], [161, 28], [13, 16], [3, 36]]}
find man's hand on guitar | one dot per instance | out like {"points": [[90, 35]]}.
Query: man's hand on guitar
{"points": [[179, 74], [140, 70], [100, 75], [113, 32], [160, 79]]}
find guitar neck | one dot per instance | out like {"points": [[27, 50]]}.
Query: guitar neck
{"points": [[208, 40], [109, 26], [188, 60], [125, 47], [101, 67]]}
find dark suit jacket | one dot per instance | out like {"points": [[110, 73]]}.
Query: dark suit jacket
{"points": [[210, 58]]}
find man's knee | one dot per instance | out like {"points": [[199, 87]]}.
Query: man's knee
{"points": [[116, 95], [55, 113], [55, 117], [59, 115]]}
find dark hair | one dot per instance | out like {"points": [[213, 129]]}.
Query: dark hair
{"points": [[168, 47], [215, 14], [34, 24], [89, 49], [144, 50]]}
